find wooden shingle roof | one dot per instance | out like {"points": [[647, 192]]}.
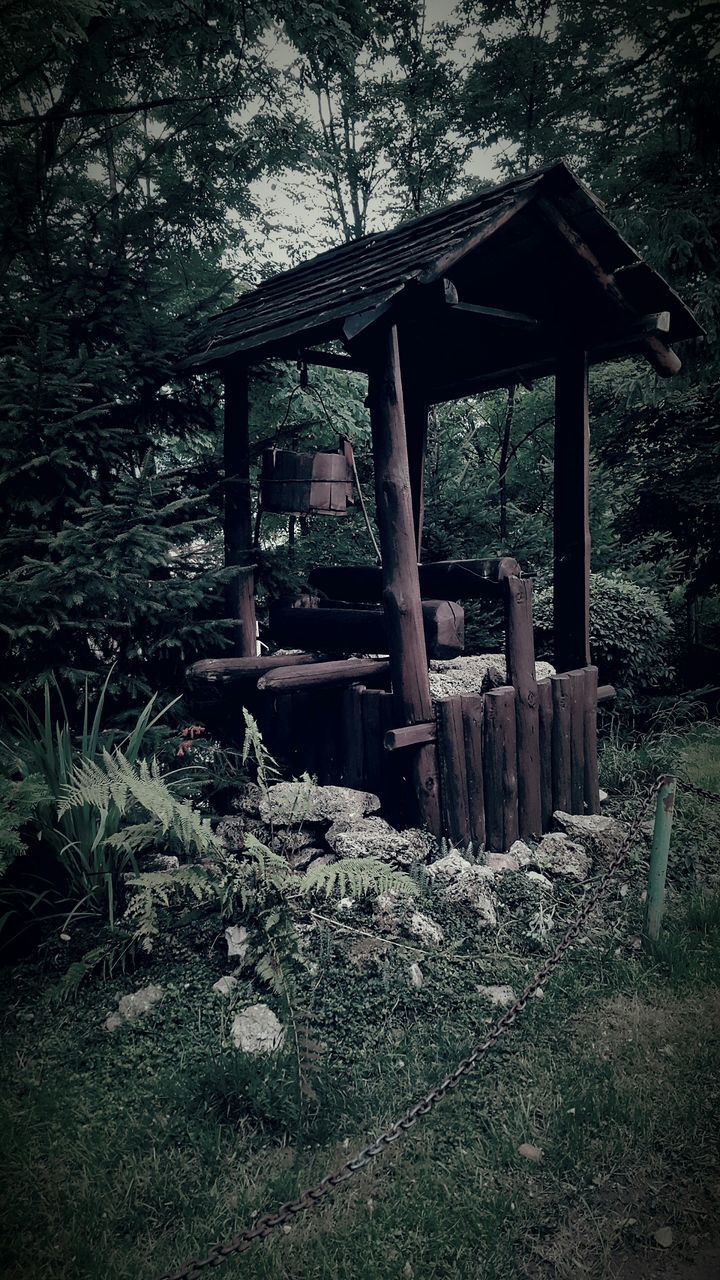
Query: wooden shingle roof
{"points": [[498, 247]]}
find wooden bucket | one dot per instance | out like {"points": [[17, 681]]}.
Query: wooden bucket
{"points": [[307, 483]]}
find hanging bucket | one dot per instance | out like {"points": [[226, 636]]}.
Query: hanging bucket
{"points": [[307, 483]]}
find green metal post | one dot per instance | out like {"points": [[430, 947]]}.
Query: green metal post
{"points": [[662, 831]]}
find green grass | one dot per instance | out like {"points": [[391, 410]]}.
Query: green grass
{"points": [[127, 1153]]}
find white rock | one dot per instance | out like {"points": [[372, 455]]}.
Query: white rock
{"points": [[473, 674], [470, 889], [425, 930], [502, 862], [537, 879], [133, 1006], [290, 804], [416, 976], [501, 994], [237, 938], [224, 985], [325, 860], [596, 830], [374, 838], [562, 857], [345, 904], [161, 862], [392, 909], [522, 852], [257, 1030], [602, 796], [449, 867]]}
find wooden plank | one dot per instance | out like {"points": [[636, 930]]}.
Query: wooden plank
{"points": [[237, 519], [410, 736], [373, 740], [577, 740], [662, 358], [545, 720], [520, 650], [453, 779], [500, 770], [416, 421], [561, 736], [323, 675], [242, 671], [515, 319], [401, 586], [446, 260], [472, 718], [335, 629], [591, 778], [391, 783], [331, 360], [353, 769], [442, 579], [571, 522], [606, 693]]}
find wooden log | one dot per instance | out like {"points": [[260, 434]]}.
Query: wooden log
{"points": [[606, 693], [571, 524], [353, 769], [443, 580], [411, 735], [237, 520], [577, 740], [391, 781], [520, 650], [401, 586], [561, 736], [373, 740], [323, 675], [337, 629], [305, 732], [472, 718], [500, 770], [545, 720], [416, 420], [591, 777], [453, 779], [329, 718], [243, 671]]}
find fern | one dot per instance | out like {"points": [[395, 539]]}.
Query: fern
{"points": [[19, 801], [157, 889], [355, 877], [266, 766]]}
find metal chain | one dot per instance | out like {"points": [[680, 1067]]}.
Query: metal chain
{"points": [[270, 1222], [699, 791]]}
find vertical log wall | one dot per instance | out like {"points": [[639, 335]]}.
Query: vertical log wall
{"points": [[240, 591]]}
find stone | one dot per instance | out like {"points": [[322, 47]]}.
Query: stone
{"points": [[161, 862], [449, 867], [500, 994], [324, 860], [416, 976], [597, 831], [257, 1030], [134, 1006], [530, 1152], [522, 853], [502, 862], [232, 833], [602, 796], [373, 837], [224, 986], [561, 856], [424, 930], [539, 881], [473, 674], [293, 804], [237, 938], [470, 889], [345, 904], [391, 910]]}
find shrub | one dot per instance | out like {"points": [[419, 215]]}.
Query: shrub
{"points": [[630, 632]]}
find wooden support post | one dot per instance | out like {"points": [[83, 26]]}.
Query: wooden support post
{"points": [[372, 728], [571, 525], [453, 782], [472, 718], [520, 650], [561, 733], [545, 707], [416, 422], [500, 770], [353, 737], [592, 781], [577, 741], [401, 586], [240, 591]]}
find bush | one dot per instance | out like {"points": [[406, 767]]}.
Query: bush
{"points": [[630, 632]]}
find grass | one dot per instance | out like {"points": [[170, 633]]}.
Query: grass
{"points": [[127, 1153]]}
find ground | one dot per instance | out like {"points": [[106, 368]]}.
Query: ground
{"points": [[129, 1152]]}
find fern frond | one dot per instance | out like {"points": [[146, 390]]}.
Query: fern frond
{"points": [[355, 877], [267, 767]]}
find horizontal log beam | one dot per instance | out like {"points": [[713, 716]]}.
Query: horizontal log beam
{"points": [[331, 360], [446, 579], [411, 735], [324, 675], [606, 693], [243, 670], [337, 629]]}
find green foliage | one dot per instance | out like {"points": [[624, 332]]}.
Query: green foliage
{"points": [[19, 803], [356, 877], [631, 633]]}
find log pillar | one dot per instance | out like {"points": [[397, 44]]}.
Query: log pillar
{"points": [[416, 424], [237, 525], [400, 578], [571, 523]]}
